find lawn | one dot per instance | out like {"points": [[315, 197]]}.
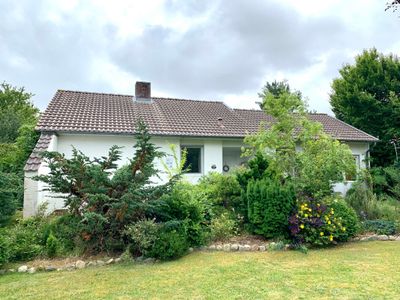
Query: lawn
{"points": [[353, 271]]}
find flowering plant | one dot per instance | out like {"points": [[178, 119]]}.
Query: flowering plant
{"points": [[315, 222]]}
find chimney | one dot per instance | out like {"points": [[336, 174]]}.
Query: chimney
{"points": [[143, 91]]}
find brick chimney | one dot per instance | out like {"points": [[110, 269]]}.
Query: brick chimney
{"points": [[143, 91]]}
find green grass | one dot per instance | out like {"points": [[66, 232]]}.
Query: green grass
{"points": [[353, 271]]}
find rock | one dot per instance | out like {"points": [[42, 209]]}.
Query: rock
{"points": [[117, 260], [59, 269], [139, 259], [246, 247], [261, 248], [219, 248], [287, 247], [32, 270], [369, 238], [70, 267], [100, 262], [110, 261], [80, 264], [254, 247], [190, 250], [392, 238], [212, 247], [234, 247], [11, 270], [398, 238], [149, 260], [241, 248], [382, 237], [22, 269], [50, 268], [227, 247], [91, 264]]}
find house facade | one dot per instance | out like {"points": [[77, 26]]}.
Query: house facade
{"points": [[211, 132]]}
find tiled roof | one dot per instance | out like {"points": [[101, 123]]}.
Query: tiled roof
{"points": [[34, 159], [84, 112]]}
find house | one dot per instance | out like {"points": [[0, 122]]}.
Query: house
{"points": [[211, 132]]}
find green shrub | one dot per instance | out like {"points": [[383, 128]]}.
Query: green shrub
{"points": [[380, 226], [4, 248], [11, 187], [171, 243], [219, 192], [52, 246], [142, 235], [269, 206], [223, 227], [347, 218], [318, 223]]}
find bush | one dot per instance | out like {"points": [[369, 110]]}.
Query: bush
{"points": [[317, 223], [11, 189], [52, 246], [222, 227], [347, 217], [380, 227], [269, 206], [219, 192], [142, 235], [171, 243], [4, 249]]}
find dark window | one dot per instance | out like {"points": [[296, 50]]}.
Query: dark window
{"points": [[193, 159]]}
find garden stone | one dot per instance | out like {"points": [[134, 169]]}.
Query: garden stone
{"points": [[190, 250], [234, 247], [398, 238], [32, 270], [391, 237], [118, 259], [100, 262], [212, 247], [11, 270], [60, 269], [219, 247], [149, 260], [110, 261], [139, 259], [50, 269], [91, 264], [241, 248], [227, 247], [254, 248], [261, 248], [287, 247], [22, 269], [246, 248], [80, 264], [382, 237], [70, 267]]}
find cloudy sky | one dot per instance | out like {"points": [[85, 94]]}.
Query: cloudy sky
{"points": [[217, 50]]}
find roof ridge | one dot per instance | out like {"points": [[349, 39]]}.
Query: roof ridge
{"points": [[193, 100], [95, 93]]}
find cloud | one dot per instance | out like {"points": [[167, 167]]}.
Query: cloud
{"points": [[193, 49]]}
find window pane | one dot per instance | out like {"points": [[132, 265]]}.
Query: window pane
{"points": [[193, 160]]}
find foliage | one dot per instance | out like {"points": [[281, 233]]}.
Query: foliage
{"points": [[269, 205], [386, 181], [220, 192], [171, 243], [10, 193], [347, 216], [276, 88], [317, 223], [52, 245], [278, 246], [366, 95], [380, 226], [4, 248], [15, 110], [142, 235], [322, 161], [222, 227]]}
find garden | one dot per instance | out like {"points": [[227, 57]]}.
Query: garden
{"points": [[282, 198]]}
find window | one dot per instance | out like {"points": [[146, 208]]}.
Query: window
{"points": [[353, 177], [193, 159]]}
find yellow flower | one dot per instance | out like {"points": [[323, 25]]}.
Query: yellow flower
{"points": [[321, 233], [302, 226], [329, 222], [310, 209], [305, 204], [331, 237], [318, 205], [306, 215], [344, 229]]}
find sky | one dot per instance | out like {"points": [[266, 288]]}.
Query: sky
{"points": [[211, 50]]}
